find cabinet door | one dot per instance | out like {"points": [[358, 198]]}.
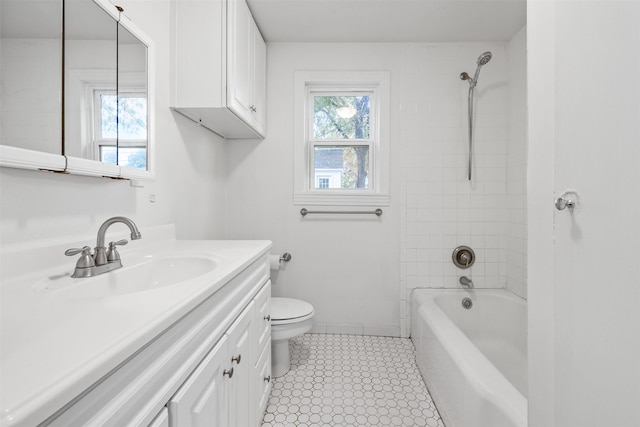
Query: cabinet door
{"points": [[162, 420], [240, 343], [202, 399], [262, 383], [239, 59], [263, 318], [259, 80]]}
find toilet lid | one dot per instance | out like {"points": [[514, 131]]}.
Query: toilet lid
{"points": [[288, 310]]}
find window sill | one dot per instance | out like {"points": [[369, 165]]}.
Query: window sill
{"points": [[327, 199]]}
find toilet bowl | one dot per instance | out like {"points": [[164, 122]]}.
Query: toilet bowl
{"points": [[289, 318]]}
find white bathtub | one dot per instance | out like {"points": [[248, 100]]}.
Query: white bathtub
{"points": [[474, 361]]}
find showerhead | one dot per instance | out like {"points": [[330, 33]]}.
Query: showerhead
{"points": [[484, 58]]}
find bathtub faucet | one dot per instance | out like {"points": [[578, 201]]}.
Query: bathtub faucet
{"points": [[465, 281]]}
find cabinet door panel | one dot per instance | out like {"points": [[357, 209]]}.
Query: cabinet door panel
{"points": [[240, 337], [239, 59], [202, 399], [259, 79], [263, 316], [262, 382]]}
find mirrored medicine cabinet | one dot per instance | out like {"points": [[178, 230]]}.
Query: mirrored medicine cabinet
{"points": [[76, 89]]}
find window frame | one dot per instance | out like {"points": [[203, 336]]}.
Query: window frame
{"points": [[340, 83], [96, 125]]}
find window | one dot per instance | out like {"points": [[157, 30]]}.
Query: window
{"points": [[340, 133], [122, 142], [342, 138]]}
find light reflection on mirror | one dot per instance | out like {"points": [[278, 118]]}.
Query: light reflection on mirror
{"points": [[132, 110], [31, 74], [90, 64]]}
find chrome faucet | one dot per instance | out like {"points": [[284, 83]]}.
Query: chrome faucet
{"points": [[102, 260], [465, 281]]}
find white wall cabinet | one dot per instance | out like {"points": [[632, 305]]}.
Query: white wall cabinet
{"points": [[209, 368], [219, 67]]}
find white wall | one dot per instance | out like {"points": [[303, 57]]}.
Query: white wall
{"points": [[346, 268], [190, 185], [441, 209], [30, 113], [516, 180], [358, 272], [584, 290]]}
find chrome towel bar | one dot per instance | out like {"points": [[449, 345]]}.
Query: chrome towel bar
{"points": [[305, 211]]}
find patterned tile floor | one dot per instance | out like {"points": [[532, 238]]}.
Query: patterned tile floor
{"points": [[349, 380]]}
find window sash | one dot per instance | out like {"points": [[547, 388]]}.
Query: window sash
{"points": [[98, 141], [312, 142]]}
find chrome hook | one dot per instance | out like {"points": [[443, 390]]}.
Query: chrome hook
{"points": [[568, 199]]}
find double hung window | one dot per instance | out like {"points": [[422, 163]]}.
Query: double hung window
{"points": [[120, 128], [342, 138]]}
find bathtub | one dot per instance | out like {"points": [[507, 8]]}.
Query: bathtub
{"points": [[474, 361]]}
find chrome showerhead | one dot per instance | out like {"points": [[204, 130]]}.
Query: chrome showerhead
{"points": [[484, 58]]}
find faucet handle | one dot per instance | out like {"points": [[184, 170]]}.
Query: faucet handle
{"points": [[85, 260], [86, 250], [112, 253]]}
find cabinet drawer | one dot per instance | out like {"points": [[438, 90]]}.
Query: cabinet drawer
{"points": [[263, 317]]}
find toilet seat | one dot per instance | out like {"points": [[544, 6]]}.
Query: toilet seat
{"points": [[288, 310]]}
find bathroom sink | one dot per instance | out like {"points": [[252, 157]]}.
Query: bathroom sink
{"points": [[149, 274]]}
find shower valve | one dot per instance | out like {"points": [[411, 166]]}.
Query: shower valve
{"points": [[463, 257]]}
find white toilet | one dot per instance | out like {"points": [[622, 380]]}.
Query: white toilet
{"points": [[289, 318]]}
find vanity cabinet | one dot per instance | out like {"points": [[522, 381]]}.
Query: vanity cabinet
{"points": [[231, 385], [208, 368], [219, 67]]}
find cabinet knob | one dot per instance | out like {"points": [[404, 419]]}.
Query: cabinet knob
{"points": [[236, 359], [253, 108], [267, 317], [267, 379], [228, 372]]}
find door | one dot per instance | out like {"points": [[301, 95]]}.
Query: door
{"points": [[239, 59], [584, 276], [202, 400], [241, 356]]}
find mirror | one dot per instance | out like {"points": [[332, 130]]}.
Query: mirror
{"points": [[133, 116], [91, 79], [31, 75], [102, 121]]}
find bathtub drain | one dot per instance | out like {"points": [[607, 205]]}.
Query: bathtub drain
{"points": [[467, 303]]}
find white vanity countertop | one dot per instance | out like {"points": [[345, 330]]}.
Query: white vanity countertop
{"points": [[53, 348]]}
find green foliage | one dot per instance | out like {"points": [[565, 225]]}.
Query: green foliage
{"points": [[328, 124]]}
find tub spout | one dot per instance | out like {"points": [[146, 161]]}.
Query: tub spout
{"points": [[466, 282]]}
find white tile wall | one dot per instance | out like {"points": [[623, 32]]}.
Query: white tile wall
{"points": [[441, 209]]}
